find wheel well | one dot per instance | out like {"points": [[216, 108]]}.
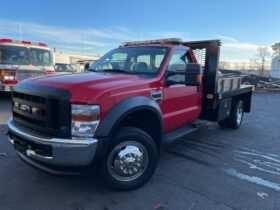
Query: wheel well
{"points": [[246, 98], [145, 120]]}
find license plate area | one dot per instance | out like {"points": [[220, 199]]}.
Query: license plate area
{"points": [[21, 145], [8, 88]]}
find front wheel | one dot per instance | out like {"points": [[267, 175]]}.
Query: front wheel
{"points": [[131, 159]]}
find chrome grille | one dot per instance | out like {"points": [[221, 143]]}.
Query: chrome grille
{"points": [[25, 74], [29, 109], [45, 114]]}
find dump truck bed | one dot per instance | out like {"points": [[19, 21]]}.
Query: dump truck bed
{"points": [[218, 91]]}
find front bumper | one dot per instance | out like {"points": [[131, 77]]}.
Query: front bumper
{"points": [[51, 151], [6, 88]]}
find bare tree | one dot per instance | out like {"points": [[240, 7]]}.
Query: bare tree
{"points": [[263, 54], [253, 65]]}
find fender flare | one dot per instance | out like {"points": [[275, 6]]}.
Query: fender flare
{"points": [[122, 109]]}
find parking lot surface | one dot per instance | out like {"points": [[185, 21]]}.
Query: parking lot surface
{"points": [[212, 168]]}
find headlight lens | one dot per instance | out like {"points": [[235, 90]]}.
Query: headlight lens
{"points": [[85, 119], [9, 77], [7, 74]]}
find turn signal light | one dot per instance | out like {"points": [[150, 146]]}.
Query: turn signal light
{"points": [[85, 117], [199, 79], [2, 73]]}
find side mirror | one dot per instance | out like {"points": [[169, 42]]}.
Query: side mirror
{"points": [[187, 74], [193, 74]]}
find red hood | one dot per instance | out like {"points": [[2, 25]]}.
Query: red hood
{"points": [[92, 87]]}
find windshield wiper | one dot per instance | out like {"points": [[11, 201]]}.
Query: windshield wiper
{"points": [[111, 70], [118, 70]]}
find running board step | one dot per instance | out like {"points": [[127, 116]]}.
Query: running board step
{"points": [[178, 133]]}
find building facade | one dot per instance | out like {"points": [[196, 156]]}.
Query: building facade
{"points": [[275, 67]]}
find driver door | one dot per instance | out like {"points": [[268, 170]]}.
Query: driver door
{"points": [[181, 104]]}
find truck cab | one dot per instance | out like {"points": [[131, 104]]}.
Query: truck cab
{"points": [[133, 99], [20, 60]]}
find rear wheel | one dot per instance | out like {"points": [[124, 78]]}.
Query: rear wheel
{"points": [[236, 115], [131, 159]]}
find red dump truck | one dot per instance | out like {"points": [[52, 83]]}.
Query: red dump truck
{"points": [[133, 99]]}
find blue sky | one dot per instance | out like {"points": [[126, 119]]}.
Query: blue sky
{"points": [[102, 25]]}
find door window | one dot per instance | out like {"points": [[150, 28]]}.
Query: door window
{"points": [[178, 62]]}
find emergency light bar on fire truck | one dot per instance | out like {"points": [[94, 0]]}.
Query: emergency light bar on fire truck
{"points": [[23, 42]]}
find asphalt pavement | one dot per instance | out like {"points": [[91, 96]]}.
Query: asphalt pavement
{"points": [[212, 168]]}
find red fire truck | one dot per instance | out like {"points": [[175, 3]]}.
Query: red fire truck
{"points": [[20, 60]]}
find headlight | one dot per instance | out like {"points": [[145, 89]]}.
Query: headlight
{"points": [[9, 77], [85, 119]]}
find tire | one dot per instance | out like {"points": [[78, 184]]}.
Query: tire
{"points": [[131, 159], [236, 116]]}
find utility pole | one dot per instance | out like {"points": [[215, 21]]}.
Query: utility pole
{"points": [[20, 33], [82, 43], [141, 33]]}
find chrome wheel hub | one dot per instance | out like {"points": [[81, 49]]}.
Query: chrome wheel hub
{"points": [[127, 161]]}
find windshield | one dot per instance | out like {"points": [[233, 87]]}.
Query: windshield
{"points": [[144, 59], [40, 57], [61, 67], [14, 55]]}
